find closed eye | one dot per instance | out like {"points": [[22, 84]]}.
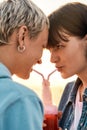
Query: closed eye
{"points": [[58, 46]]}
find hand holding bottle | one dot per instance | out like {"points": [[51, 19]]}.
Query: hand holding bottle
{"points": [[51, 121]]}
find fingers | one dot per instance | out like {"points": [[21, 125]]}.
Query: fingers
{"points": [[59, 128], [59, 117], [59, 114], [44, 124]]}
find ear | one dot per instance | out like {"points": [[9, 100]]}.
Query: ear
{"points": [[21, 34], [85, 37]]}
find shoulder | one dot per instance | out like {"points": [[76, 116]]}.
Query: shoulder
{"points": [[9, 86], [21, 104], [68, 87], [11, 92]]}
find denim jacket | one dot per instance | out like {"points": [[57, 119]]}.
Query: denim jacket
{"points": [[67, 106]]}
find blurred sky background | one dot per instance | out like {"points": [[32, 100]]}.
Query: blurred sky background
{"points": [[49, 5]]}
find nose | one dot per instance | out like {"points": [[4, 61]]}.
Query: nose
{"points": [[53, 58], [39, 61]]}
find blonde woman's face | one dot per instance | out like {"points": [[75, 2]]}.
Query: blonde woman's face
{"points": [[33, 53]]}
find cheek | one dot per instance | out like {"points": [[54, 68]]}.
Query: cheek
{"points": [[39, 53], [71, 54], [85, 53], [75, 62]]}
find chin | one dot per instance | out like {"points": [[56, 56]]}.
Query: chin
{"points": [[65, 76], [25, 77]]}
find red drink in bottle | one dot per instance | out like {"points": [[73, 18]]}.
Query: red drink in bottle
{"points": [[51, 118]]}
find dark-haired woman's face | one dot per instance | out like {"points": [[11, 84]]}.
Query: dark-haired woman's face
{"points": [[69, 57]]}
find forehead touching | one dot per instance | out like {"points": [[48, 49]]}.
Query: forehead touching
{"points": [[44, 37], [56, 36]]}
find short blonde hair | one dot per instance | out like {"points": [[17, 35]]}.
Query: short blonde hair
{"points": [[15, 13]]}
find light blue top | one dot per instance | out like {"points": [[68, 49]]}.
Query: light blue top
{"points": [[20, 107]]}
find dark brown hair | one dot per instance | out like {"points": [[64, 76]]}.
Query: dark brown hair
{"points": [[70, 19]]}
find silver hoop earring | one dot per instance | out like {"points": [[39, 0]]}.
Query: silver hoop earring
{"points": [[21, 49]]}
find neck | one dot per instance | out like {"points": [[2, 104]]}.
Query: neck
{"points": [[81, 91]]}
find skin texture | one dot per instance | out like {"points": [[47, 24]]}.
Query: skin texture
{"points": [[69, 57], [31, 55]]}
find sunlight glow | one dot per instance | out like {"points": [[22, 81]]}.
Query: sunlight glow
{"points": [[49, 6]]}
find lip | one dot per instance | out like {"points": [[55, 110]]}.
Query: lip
{"points": [[59, 68]]}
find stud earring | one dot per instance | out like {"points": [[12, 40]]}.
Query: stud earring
{"points": [[21, 49]]}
